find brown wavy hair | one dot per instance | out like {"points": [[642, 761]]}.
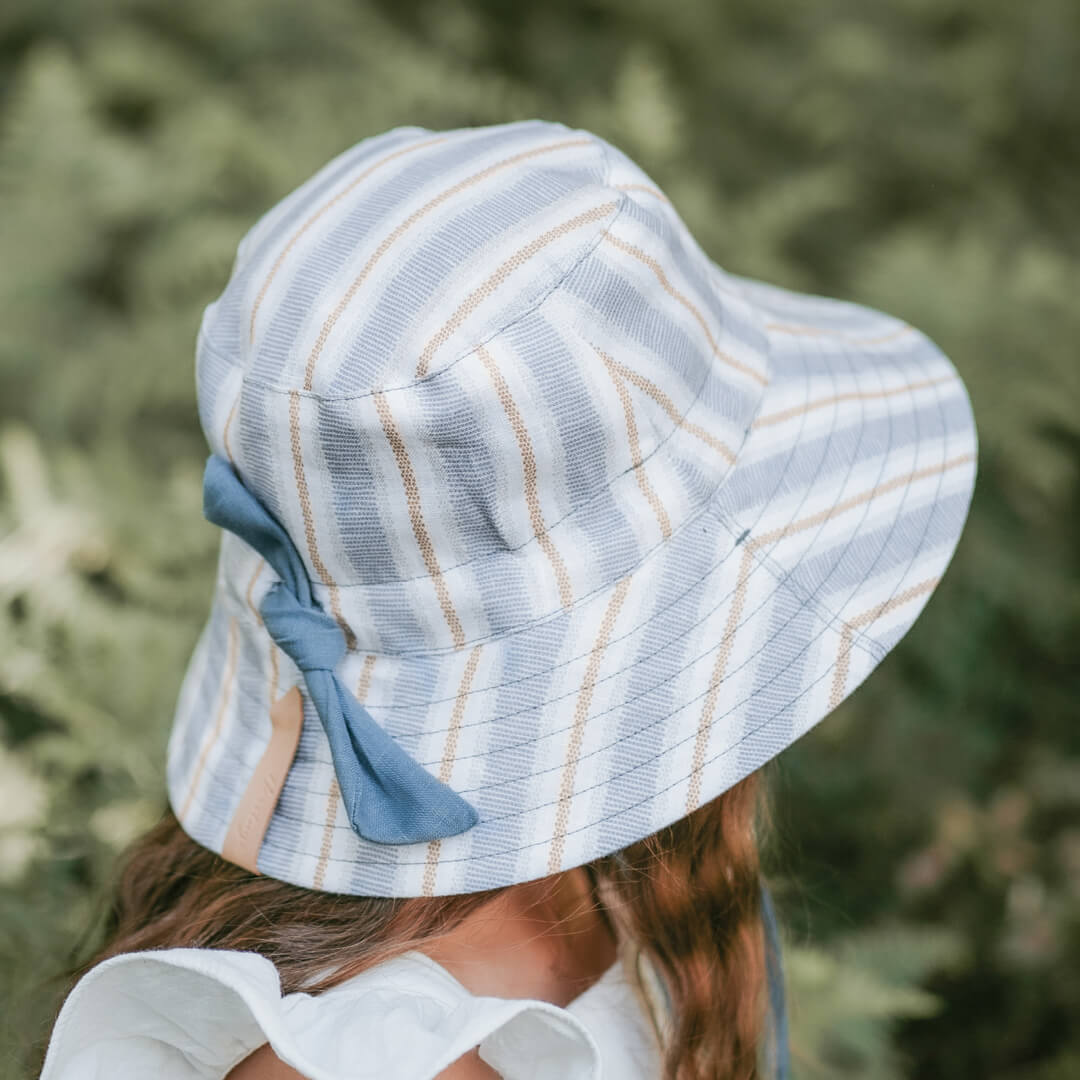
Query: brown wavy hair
{"points": [[688, 896]]}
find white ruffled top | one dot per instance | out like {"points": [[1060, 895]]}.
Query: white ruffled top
{"points": [[193, 1014]]}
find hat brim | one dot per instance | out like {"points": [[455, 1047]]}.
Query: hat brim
{"points": [[579, 734]]}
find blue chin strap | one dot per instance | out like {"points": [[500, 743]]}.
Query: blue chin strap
{"points": [[390, 798], [775, 973]]}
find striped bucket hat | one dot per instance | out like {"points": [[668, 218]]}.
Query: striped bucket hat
{"points": [[540, 529]]}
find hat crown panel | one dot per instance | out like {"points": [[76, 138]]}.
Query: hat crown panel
{"points": [[356, 281]]}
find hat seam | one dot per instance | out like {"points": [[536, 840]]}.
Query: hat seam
{"points": [[675, 428], [480, 559], [246, 378], [449, 650], [321, 589]]}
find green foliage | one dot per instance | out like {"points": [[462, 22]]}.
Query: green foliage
{"points": [[918, 155], [846, 998]]}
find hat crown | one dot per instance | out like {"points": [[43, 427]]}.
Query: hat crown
{"points": [[469, 367]]}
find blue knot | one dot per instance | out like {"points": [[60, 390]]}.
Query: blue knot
{"points": [[308, 635], [389, 796]]}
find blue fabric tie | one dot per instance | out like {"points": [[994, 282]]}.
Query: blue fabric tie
{"points": [[390, 798]]}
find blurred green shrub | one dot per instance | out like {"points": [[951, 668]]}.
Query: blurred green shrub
{"points": [[918, 156]]}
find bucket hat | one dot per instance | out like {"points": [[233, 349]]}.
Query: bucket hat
{"points": [[539, 528]]}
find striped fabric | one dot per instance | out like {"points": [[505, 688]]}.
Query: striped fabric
{"points": [[606, 526]]}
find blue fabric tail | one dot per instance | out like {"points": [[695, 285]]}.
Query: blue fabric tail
{"points": [[390, 798]]}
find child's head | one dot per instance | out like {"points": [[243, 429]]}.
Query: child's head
{"points": [[540, 529]]}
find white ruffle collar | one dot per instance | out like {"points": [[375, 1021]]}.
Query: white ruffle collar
{"points": [[193, 1014]]}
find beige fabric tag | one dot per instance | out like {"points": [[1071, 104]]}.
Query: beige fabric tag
{"points": [[252, 817]]}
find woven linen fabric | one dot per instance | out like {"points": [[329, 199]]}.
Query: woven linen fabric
{"points": [[606, 526]]}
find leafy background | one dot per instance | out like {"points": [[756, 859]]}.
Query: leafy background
{"points": [[917, 155]]}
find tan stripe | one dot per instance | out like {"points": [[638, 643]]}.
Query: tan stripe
{"points": [[577, 734], [656, 192], [528, 464], [416, 516], [821, 331], [489, 287], [364, 682], [668, 406], [309, 521], [302, 487], [225, 431], [431, 867], [723, 654], [226, 693], [333, 796], [854, 395], [840, 672], [412, 219], [857, 500], [738, 601], [319, 213], [446, 766], [635, 447], [670, 289]]}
